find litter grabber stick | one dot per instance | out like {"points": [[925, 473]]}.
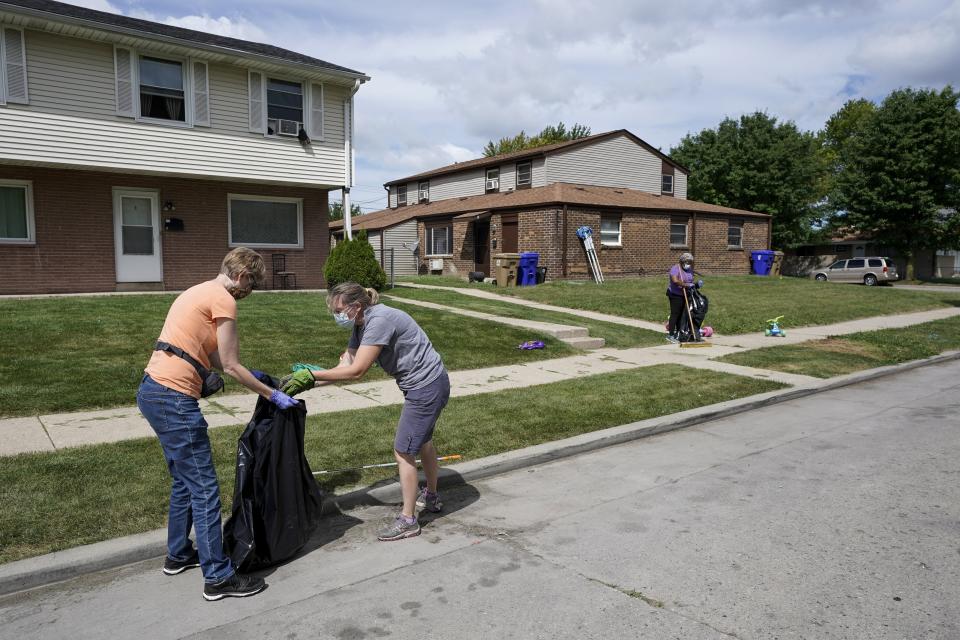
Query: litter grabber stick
{"points": [[380, 466]]}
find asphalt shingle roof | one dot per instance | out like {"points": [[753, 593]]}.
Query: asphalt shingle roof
{"points": [[531, 153], [108, 20], [558, 193]]}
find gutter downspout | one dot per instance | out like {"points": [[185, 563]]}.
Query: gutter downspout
{"points": [[348, 167], [563, 240]]}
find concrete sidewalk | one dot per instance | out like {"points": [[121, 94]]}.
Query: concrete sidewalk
{"points": [[57, 431]]}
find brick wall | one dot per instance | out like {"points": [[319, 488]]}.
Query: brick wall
{"points": [[645, 239], [74, 249], [645, 242]]}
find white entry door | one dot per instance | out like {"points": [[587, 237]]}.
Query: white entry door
{"points": [[136, 225]]}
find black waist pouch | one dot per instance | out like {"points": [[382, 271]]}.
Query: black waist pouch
{"points": [[276, 500], [211, 382]]}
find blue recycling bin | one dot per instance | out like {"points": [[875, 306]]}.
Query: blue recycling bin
{"points": [[527, 269], [762, 262]]}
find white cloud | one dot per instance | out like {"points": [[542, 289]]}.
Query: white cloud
{"points": [[448, 77], [99, 5], [236, 27]]}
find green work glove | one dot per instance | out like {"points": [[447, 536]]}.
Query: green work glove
{"points": [[298, 382]]}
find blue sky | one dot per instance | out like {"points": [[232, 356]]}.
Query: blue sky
{"points": [[449, 76]]}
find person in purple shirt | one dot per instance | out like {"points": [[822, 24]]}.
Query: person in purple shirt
{"points": [[681, 277]]}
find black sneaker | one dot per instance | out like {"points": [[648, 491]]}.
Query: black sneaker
{"points": [[172, 567], [236, 586]]}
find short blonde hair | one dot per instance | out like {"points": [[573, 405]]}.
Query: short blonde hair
{"points": [[244, 259], [351, 292]]}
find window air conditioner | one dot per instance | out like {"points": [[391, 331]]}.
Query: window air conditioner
{"points": [[424, 196], [288, 128], [493, 184], [436, 264]]}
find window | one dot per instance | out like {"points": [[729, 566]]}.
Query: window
{"points": [[16, 211], [493, 180], [284, 107], [839, 264], [735, 235], [401, 195], [678, 233], [162, 95], [524, 174], [855, 264], [257, 221], [666, 183], [13, 74], [440, 240], [424, 191], [875, 262], [610, 231], [841, 248]]}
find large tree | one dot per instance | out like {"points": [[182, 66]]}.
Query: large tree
{"points": [[549, 135], [336, 210], [897, 170], [758, 164]]}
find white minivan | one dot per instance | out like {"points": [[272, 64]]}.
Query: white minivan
{"points": [[869, 271]]}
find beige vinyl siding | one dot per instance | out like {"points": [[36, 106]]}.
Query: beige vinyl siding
{"points": [[457, 185], [71, 121], [539, 172], [613, 162], [392, 196], [67, 75], [64, 141], [679, 184], [508, 176], [405, 262]]}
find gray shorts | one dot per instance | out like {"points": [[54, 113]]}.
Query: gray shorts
{"points": [[421, 408]]}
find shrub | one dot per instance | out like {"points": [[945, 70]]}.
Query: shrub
{"points": [[354, 261]]}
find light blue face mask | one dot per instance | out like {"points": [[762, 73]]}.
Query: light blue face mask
{"points": [[343, 320]]}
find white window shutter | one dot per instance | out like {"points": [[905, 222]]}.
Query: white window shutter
{"points": [[316, 111], [201, 94], [15, 65], [123, 61], [256, 93]]}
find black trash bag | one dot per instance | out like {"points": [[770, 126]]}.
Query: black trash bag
{"points": [[697, 303], [276, 499]]}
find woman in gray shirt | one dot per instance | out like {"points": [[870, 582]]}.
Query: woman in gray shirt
{"points": [[392, 339]]}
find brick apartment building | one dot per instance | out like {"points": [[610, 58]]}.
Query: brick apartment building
{"points": [[632, 196], [134, 155]]}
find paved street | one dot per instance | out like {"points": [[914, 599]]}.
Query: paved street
{"points": [[833, 516]]}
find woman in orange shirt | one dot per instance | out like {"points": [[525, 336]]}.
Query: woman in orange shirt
{"points": [[202, 324]]}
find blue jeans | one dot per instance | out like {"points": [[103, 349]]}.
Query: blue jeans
{"points": [[195, 494]]}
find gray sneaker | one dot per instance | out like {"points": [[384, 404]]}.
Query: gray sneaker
{"points": [[398, 530], [429, 501]]}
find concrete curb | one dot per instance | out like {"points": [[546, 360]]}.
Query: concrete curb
{"points": [[109, 554]]}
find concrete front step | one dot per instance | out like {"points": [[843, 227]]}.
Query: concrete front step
{"points": [[585, 342], [568, 332]]}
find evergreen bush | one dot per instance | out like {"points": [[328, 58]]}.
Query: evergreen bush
{"points": [[354, 261]]}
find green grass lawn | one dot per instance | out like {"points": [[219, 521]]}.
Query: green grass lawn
{"points": [[616, 335], [739, 304], [855, 352], [75, 353], [77, 496]]}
